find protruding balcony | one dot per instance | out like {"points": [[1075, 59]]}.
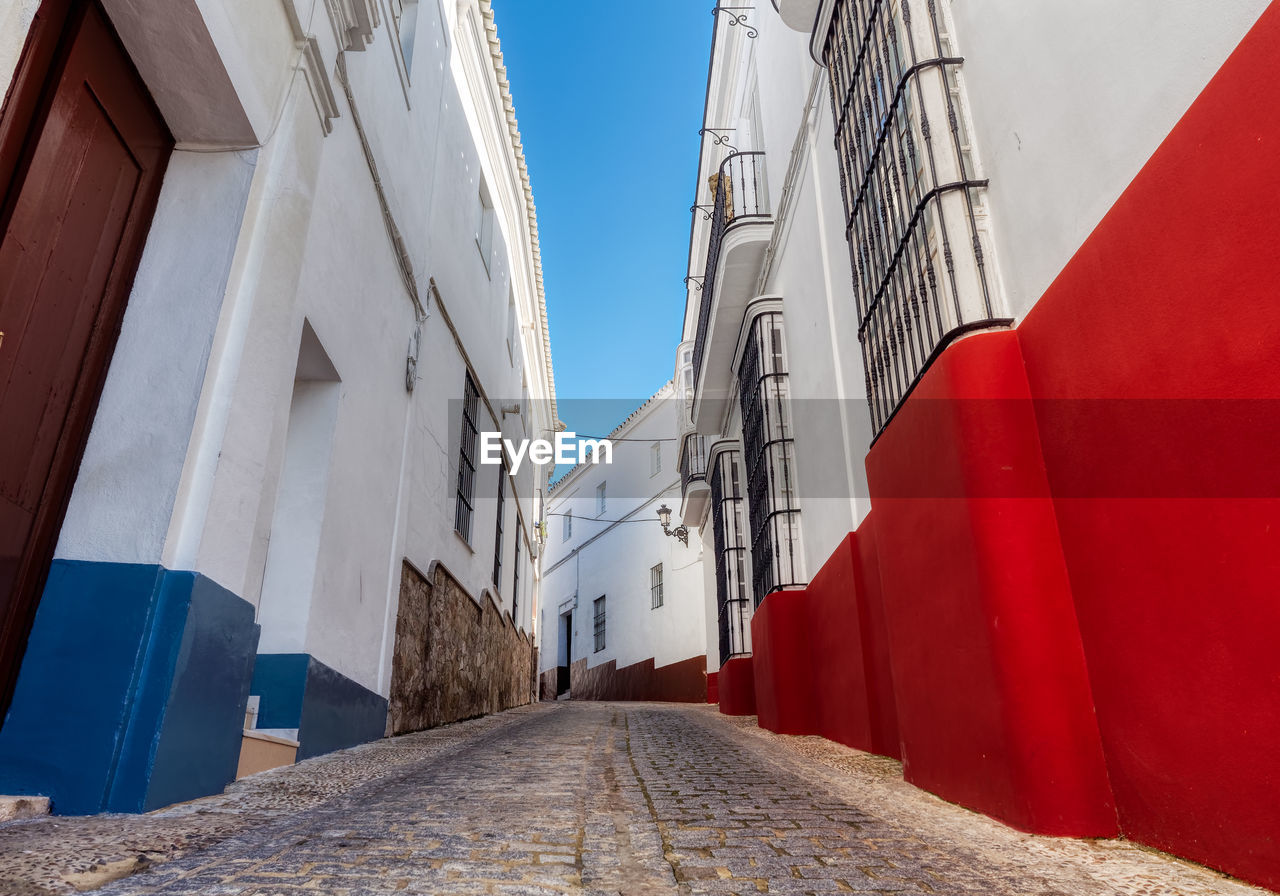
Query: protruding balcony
{"points": [[694, 489], [798, 14], [741, 227]]}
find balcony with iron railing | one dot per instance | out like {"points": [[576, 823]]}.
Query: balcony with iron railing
{"points": [[741, 225], [694, 489]]}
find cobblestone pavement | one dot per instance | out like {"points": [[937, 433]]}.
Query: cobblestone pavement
{"points": [[580, 798]]}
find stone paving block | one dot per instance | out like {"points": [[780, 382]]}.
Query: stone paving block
{"points": [[582, 799]]}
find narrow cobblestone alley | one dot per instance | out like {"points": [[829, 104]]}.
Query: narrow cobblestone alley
{"points": [[579, 798]]}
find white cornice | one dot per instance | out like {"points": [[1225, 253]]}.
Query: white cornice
{"points": [[517, 147]]}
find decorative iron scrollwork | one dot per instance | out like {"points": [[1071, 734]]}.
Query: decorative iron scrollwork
{"points": [[719, 137], [738, 16]]}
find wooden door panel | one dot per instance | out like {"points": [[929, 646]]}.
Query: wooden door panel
{"points": [[51, 311], [83, 183]]}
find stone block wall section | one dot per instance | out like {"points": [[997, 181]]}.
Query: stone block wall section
{"points": [[454, 658]]}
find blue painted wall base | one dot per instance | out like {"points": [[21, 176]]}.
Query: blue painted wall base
{"points": [[330, 711], [132, 691]]}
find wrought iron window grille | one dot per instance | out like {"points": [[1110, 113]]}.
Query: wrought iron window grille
{"points": [[732, 603], [497, 538], [769, 458], [598, 622], [465, 507], [693, 460], [911, 193]]}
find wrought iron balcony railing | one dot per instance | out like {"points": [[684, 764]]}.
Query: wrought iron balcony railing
{"points": [[740, 195], [693, 461]]}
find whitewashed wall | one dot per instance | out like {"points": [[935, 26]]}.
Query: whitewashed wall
{"points": [[602, 557], [254, 245]]}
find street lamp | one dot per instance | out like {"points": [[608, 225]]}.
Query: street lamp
{"points": [[680, 532]]}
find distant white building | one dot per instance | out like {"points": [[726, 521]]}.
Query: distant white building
{"points": [[320, 253], [623, 613]]}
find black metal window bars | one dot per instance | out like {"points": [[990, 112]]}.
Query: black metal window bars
{"points": [[910, 191], [739, 193], [515, 577], [597, 608], [655, 587], [497, 538], [769, 457], [693, 461], [734, 610], [467, 460]]}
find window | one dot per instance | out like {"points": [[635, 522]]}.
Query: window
{"points": [[515, 577], [467, 460], [511, 328], [484, 224], [497, 539], [912, 197], [405, 13], [733, 608], [566, 531], [693, 460], [655, 587], [600, 503], [655, 458], [598, 607], [769, 456]]}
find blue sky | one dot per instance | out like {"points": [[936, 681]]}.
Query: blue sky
{"points": [[609, 99]]}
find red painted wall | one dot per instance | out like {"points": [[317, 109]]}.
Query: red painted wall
{"points": [[737, 686], [786, 696], [713, 687], [882, 710], [1169, 508], [821, 655], [993, 699]]}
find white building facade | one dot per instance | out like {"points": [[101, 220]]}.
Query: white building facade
{"points": [[976, 334], [328, 283], [623, 611]]}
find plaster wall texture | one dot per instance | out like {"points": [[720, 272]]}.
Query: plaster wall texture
{"points": [[252, 248], [614, 560], [15, 21], [1065, 113]]}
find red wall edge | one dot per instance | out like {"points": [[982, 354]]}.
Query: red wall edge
{"points": [[681, 682], [1154, 361], [786, 700], [737, 687], [821, 654], [713, 687], [993, 698]]}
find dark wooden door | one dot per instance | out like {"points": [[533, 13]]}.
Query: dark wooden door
{"points": [[82, 153]]}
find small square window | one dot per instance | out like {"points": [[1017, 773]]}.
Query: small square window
{"points": [[655, 459]]}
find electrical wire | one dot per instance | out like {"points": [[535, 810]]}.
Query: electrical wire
{"points": [[294, 67]]}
